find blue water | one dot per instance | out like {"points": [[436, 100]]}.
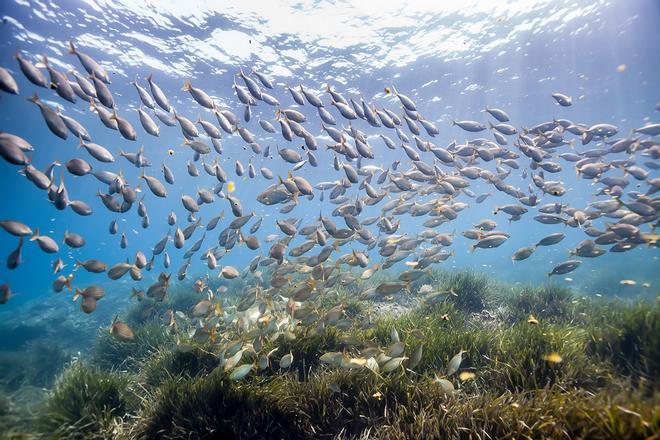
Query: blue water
{"points": [[452, 58]]}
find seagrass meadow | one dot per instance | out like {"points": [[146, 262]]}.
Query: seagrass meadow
{"points": [[605, 384]]}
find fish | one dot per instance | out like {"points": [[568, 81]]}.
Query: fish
{"points": [[73, 240], [562, 99], [158, 95], [5, 293], [16, 228], [14, 258], [471, 126], [455, 363], [286, 361], [466, 375], [198, 95], [124, 126], [489, 242], [91, 66], [553, 358], [240, 372], [31, 72], [45, 243], [565, 267], [523, 253], [97, 151], [51, 117], [446, 386], [121, 331], [59, 81], [155, 185]]}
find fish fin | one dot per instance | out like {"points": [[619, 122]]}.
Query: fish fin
{"points": [[43, 63], [34, 98]]}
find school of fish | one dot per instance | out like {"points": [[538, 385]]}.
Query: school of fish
{"points": [[305, 260]]}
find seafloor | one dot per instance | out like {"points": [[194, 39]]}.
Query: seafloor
{"points": [[539, 362]]}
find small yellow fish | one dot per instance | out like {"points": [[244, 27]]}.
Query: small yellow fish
{"points": [[231, 187], [387, 90], [553, 358], [532, 320], [170, 152], [466, 375], [377, 395], [627, 282]]}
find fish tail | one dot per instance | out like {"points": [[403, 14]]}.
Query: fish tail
{"points": [[35, 234], [72, 48], [186, 85], [148, 77], [68, 282], [77, 294], [34, 98]]}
